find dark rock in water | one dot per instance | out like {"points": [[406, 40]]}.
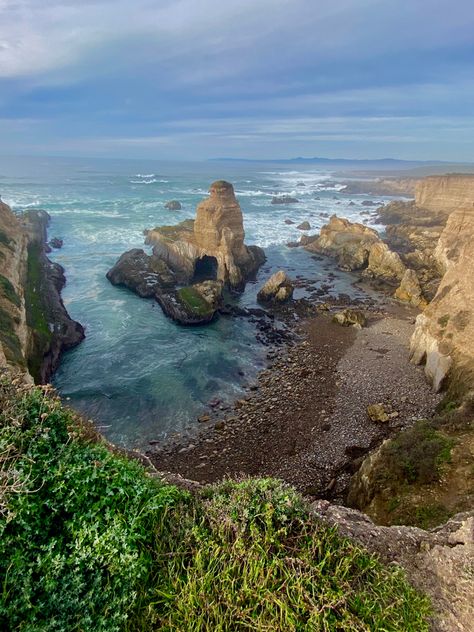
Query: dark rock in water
{"points": [[194, 305], [284, 199], [368, 203], [289, 222], [56, 242], [304, 226], [141, 273], [300, 184], [173, 205], [351, 203]]}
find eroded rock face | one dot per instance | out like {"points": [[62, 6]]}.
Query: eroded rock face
{"points": [[277, 289], [358, 247], [444, 333], [409, 290], [212, 245], [141, 273], [438, 562]]}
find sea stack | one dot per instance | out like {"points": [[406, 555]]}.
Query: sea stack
{"points": [[211, 247]]}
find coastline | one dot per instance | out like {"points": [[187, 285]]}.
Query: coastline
{"points": [[305, 419]]}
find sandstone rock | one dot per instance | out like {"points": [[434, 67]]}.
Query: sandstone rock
{"points": [[284, 199], [409, 290], [350, 317], [444, 333], [304, 226], [141, 273], [211, 292], [384, 264], [278, 289], [173, 205], [376, 412], [212, 246]]}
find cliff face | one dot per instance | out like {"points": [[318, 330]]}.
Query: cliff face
{"points": [[444, 333], [213, 245], [445, 194], [13, 257], [34, 324]]}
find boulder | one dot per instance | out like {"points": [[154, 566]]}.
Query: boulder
{"points": [[304, 226], [409, 290], [211, 246], [141, 273], [55, 242], [384, 264], [350, 317], [289, 222], [173, 205], [377, 413], [277, 289], [284, 199]]}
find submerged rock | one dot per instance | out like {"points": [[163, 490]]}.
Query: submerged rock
{"points": [[278, 289], [304, 226], [284, 199], [55, 242], [173, 205]]}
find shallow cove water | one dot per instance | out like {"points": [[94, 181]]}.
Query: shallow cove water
{"points": [[139, 375]]}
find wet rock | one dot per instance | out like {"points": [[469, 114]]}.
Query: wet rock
{"points": [[173, 205], [304, 226], [56, 242], [278, 289], [141, 273], [284, 199]]}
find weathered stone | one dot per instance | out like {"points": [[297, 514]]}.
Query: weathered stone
{"points": [[377, 412], [173, 205], [409, 290], [212, 246], [142, 273], [304, 226], [278, 289], [350, 317]]}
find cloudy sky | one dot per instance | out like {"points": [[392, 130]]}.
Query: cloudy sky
{"points": [[195, 79]]}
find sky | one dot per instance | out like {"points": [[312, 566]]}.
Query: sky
{"points": [[199, 79]]}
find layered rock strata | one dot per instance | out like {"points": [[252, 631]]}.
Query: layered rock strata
{"points": [[35, 327], [211, 246]]}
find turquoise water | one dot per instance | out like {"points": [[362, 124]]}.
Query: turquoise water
{"points": [[138, 374]]}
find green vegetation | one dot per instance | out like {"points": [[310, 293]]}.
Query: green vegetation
{"points": [[9, 339], [416, 455], [89, 541], [8, 291], [36, 311], [194, 301]]}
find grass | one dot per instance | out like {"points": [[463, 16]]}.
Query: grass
{"points": [[88, 541], [8, 291], [194, 301]]}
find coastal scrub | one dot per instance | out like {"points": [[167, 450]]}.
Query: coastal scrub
{"points": [[90, 541]]}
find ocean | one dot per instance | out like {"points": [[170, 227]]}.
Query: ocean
{"points": [[140, 376]]}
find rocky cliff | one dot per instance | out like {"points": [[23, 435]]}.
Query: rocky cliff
{"points": [[445, 194], [212, 246], [34, 324]]}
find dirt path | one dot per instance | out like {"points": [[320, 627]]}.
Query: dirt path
{"points": [[305, 421]]}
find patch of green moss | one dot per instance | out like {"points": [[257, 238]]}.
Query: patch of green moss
{"points": [[8, 291], [194, 302]]}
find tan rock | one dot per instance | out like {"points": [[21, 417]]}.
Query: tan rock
{"points": [[409, 290], [377, 413], [384, 264], [213, 245], [350, 317], [278, 288]]}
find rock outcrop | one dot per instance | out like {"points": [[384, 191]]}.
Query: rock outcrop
{"points": [[382, 186], [277, 289], [284, 199], [212, 246], [358, 247], [438, 562], [173, 205], [444, 333], [350, 318], [35, 327], [141, 273]]}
